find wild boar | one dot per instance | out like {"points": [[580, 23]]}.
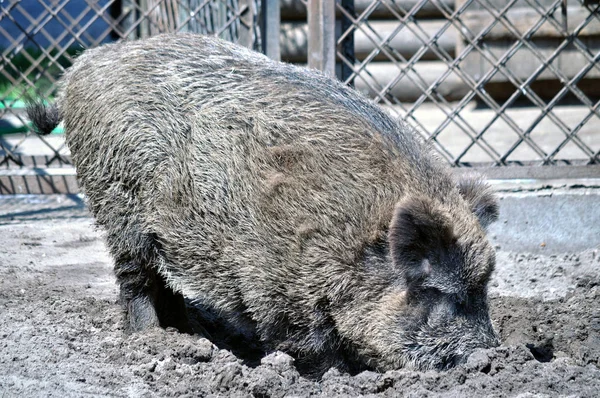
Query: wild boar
{"points": [[280, 198]]}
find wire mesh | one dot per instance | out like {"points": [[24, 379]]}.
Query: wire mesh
{"points": [[485, 81], [39, 39]]}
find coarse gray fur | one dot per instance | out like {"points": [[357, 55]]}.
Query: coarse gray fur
{"points": [[280, 198]]}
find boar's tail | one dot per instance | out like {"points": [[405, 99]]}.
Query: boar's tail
{"points": [[44, 117]]}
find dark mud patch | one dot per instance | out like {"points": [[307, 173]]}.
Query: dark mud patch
{"points": [[568, 327]]}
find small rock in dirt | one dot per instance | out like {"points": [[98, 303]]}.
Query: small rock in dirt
{"points": [[278, 360], [331, 374], [479, 361], [204, 349], [224, 379]]}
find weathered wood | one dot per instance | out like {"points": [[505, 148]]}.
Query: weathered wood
{"points": [[127, 23], [37, 184], [294, 38], [321, 38], [292, 10], [144, 24], [523, 19], [246, 32], [345, 42], [500, 4], [410, 88], [523, 63], [502, 90], [501, 136], [35, 161]]}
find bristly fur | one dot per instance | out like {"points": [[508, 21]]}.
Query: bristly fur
{"points": [[266, 191], [45, 118], [481, 197]]}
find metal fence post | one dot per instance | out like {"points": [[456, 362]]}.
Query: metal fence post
{"points": [[270, 29], [321, 35], [347, 44]]}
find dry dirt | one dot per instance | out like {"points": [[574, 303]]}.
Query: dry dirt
{"points": [[61, 330]]}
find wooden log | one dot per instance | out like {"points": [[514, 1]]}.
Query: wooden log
{"points": [[523, 19], [378, 75], [545, 89], [246, 33], [523, 63], [128, 10], [293, 10], [500, 4], [294, 40]]}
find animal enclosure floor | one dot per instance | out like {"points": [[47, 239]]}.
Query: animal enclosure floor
{"points": [[61, 330]]}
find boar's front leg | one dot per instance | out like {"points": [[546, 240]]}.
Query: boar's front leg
{"points": [[147, 300]]}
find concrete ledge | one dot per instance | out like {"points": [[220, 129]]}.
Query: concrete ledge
{"points": [[516, 185], [535, 172], [39, 171]]}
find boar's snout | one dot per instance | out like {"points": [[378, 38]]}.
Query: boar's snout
{"points": [[451, 343], [484, 337]]}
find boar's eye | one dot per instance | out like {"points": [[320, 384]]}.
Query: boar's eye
{"points": [[461, 300]]}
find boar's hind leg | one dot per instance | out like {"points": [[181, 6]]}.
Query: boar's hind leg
{"points": [[147, 300]]}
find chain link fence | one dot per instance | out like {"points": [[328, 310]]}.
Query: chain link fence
{"points": [[39, 39], [486, 81]]}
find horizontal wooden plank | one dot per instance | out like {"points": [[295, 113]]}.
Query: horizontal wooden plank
{"points": [[501, 4], [409, 88], [407, 41], [500, 134], [546, 89], [35, 161], [587, 175], [522, 20], [380, 75], [296, 10], [524, 63]]}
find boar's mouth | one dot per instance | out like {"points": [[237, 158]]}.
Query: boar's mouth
{"points": [[436, 362], [439, 357]]}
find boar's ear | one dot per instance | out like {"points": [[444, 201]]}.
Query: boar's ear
{"points": [[418, 228], [480, 197]]}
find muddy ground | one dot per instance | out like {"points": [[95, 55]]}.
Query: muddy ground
{"points": [[61, 330]]}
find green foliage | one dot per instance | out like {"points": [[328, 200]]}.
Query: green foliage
{"points": [[39, 78]]}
